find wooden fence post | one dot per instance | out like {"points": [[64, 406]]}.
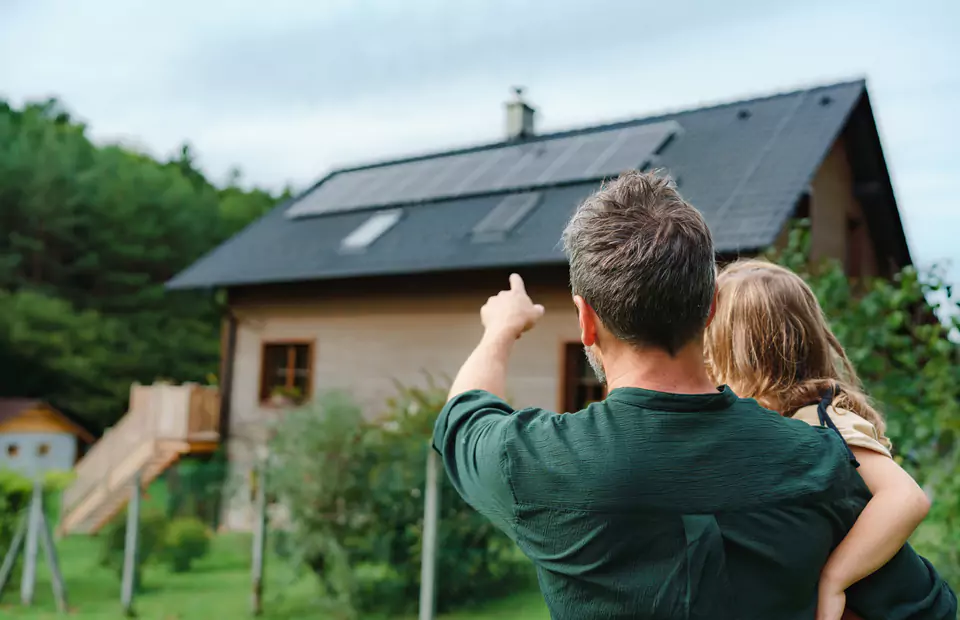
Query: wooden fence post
{"points": [[428, 554], [130, 551]]}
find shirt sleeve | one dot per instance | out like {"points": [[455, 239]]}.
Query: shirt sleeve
{"points": [[907, 586], [855, 430], [470, 436]]}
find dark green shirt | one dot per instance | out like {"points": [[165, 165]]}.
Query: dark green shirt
{"points": [[653, 505]]}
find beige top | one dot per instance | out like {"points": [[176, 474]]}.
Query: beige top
{"points": [[856, 431]]}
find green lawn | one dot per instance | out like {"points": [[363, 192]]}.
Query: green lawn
{"points": [[218, 587]]}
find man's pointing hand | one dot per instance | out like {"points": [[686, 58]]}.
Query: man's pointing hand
{"points": [[510, 312]]}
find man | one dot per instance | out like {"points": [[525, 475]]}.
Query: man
{"points": [[671, 498]]}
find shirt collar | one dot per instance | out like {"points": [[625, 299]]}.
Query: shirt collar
{"points": [[664, 401]]}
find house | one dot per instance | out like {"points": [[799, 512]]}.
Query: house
{"points": [[36, 438], [377, 272]]}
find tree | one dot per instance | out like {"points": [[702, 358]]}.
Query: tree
{"points": [[94, 233]]}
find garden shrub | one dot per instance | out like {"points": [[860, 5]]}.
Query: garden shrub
{"points": [[355, 494], [195, 487], [187, 540], [282, 544], [15, 493], [153, 528]]}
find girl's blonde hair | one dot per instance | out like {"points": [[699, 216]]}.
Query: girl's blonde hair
{"points": [[770, 341]]}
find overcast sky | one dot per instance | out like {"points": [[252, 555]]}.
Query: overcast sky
{"points": [[286, 90]]}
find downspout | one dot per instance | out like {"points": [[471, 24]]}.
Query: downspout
{"points": [[226, 382]]}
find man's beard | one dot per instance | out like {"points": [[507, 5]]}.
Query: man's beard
{"points": [[595, 364]]}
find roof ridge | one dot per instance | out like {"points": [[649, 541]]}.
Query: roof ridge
{"points": [[605, 126]]}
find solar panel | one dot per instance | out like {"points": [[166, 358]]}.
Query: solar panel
{"points": [[377, 184], [505, 216], [511, 166], [460, 168], [409, 178], [501, 155], [540, 157], [509, 159], [638, 149], [578, 162], [371, 230], [418, 177], [338, 189]]}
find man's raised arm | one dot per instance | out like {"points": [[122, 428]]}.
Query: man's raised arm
{"points": [[472, 429]]}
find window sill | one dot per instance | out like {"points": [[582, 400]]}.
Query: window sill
{"points": [[270, 404]]}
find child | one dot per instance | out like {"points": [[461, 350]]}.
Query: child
{"points": [[769, 341]]}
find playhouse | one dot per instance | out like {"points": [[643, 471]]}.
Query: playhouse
{"points": [[36, 438]]}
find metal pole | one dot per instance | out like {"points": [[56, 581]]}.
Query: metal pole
{"points": [[29, 579], [130, 549], [259, 540], [59, 588], [428, 558], [11, 558]]}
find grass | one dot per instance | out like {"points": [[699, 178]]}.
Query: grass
{"points": [[217, 587]]}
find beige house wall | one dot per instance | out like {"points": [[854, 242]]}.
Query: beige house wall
{"points": [[833, 206], [364, 344]]}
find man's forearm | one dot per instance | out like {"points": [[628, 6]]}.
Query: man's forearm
{"points": [[486, 368]]}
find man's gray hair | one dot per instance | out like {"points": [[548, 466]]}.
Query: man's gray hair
{"points": [[643, 259]]}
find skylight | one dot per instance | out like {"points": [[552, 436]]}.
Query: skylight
{"points": [[371, 230], [505, 216]]}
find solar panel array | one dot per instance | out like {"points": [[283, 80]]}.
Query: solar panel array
{"points": [[504, 168]]}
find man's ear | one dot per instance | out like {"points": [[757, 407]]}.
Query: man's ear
{"points": [[713, 306], [588, 321]]}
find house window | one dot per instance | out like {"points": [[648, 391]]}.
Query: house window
{"points": [[285, 375], [580, 385], [12, 450], [43, 449]]}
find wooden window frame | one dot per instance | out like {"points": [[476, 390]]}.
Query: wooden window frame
{"points": [[291, 343], [571, 356]]}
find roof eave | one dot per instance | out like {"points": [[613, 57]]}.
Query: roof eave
{"points": [[875, 145], [348, 275]]}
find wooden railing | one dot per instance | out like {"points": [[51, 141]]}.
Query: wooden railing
{"points": [[160, 412]]}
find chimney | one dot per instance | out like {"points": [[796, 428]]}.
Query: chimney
{"points": [[519, 116]]}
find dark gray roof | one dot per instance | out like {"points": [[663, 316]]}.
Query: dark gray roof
{"points": [[743, 164]]}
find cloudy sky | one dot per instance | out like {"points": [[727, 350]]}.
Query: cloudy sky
{"points": [[285, 90]]}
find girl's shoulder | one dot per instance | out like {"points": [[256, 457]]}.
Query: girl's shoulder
{"points": [[855, 430]]}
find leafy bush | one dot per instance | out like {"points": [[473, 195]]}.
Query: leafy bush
{"points": [[15, 492], [911, 368], [354, 491], [282, 543], [153, 529], [195, 488], [187, 539]]}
